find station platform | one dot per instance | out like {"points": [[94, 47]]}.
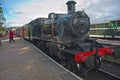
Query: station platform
{"points": [[110, 42], [23, 61]]}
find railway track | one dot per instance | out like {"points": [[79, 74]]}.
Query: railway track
{"points": [[111, 67], [110, 62], [100, 75]]}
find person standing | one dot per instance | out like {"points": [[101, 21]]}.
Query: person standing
{"points": [[0, 38], [11, 35]]}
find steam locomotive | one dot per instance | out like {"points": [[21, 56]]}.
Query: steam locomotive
{"points": [[65, 37]]}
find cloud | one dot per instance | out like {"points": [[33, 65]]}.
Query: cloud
{"points": [[37, 9], [17, 12], [97, 10], [104, 10]]}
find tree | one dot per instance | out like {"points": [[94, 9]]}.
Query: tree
{"points": [[2, 21], [2, 18], [2, 28]]}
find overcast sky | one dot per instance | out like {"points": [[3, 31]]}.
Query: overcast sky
{"points": [[20, 12]]}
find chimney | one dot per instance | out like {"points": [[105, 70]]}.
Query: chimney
{"points": [[71, 6]]}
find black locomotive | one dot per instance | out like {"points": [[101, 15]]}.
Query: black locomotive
{"points": [[65, 37]]}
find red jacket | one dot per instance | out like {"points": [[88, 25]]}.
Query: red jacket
{"points": [[0, 35], [11, 34]]}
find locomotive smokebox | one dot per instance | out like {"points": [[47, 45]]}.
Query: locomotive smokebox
{"points": [[71, 6]]}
